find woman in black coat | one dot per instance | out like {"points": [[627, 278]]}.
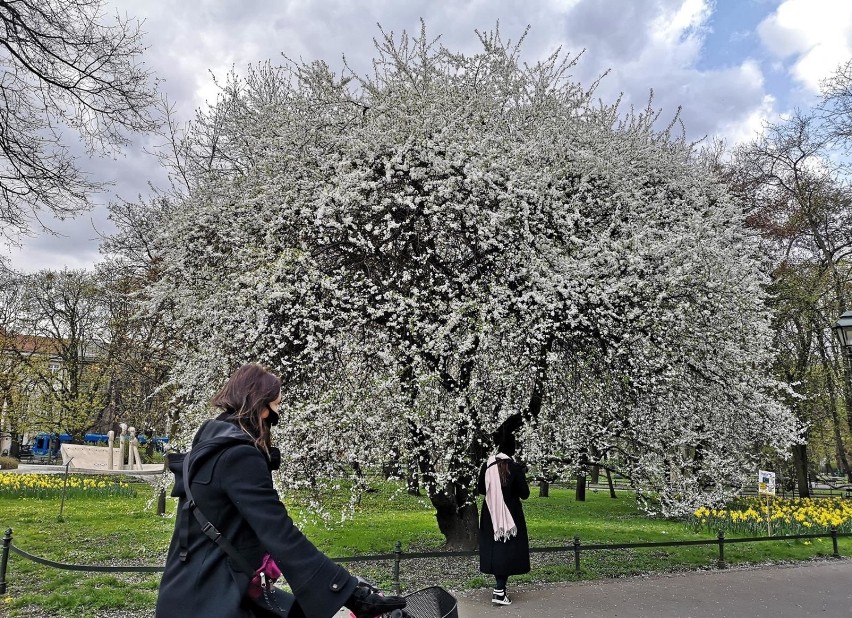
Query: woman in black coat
{"points": [[231, 482], [504, 547]]}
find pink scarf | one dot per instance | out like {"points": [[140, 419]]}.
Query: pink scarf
{"points": [[501, 518]]}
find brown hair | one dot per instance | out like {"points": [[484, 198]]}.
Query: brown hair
{"points": [[246, 394], [505, 444], [504, 467]]}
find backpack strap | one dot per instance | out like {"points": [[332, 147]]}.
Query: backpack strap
{"points": [[207, 526]]}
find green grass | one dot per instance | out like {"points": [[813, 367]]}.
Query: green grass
{"points": [[93, 531], [126, 530]]}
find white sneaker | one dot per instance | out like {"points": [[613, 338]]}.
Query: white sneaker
{"points": [[499, 597]]}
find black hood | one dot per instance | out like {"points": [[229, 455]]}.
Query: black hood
{"points": [[227, 431], [211, 437], [221, 431]]}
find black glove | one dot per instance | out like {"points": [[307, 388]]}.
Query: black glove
{"points": [[366, 604]]}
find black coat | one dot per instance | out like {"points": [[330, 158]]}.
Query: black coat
{"points": [[233, 488], [510, 557]]}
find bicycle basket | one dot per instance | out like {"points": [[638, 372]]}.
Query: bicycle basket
{"points": [[432, 602]]}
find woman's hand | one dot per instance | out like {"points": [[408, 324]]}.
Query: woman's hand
{"points": [[365, 603]]}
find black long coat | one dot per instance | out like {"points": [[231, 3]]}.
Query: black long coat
{"points": [[233, 487], [510, 557]]}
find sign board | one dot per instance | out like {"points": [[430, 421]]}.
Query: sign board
{"points": [[766, 482]]}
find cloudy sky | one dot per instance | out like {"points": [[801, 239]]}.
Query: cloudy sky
{"points": [[729, 64]]}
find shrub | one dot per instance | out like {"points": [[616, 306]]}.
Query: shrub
{"points": [[8, 463]]}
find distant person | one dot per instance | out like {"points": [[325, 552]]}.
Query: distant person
{"points": [[230, 476], [504, 547]]}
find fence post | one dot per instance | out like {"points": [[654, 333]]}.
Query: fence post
{"points": [[576, 555], [161, 503], [64, 487], [721, 537], [397, 558], [836, 553], [4, 559]]}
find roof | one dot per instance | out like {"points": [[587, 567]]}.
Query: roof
{"points": [[28, 344]]}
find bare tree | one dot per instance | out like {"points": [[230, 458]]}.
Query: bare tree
{"points": [[13, 369], [65, 67], [63, 319], [801, 204], [136, 355], [836, 104]]}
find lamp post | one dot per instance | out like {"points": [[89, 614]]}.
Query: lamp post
{"points": [[843, 328]]}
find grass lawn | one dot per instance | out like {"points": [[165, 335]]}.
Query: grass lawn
{"points": [[124, 530]]}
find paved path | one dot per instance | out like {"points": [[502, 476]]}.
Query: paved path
{"points": [[822, 588]]}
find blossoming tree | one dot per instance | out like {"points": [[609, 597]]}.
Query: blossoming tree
{"points": [[455, 241]]}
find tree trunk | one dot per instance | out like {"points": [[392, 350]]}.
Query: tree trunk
{"points": [[392, 468], [596, 475], [457, 521], [832, 405], [609, 482], [580, 494], [844, 462], [455, 510], [584, 465], [361, 478], [537, 394], [800, 461], [543, 489]]}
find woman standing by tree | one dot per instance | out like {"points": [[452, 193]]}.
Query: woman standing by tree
{"points": [[504, 548]]}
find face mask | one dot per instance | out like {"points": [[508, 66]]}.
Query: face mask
{"points": [[273, 417]]}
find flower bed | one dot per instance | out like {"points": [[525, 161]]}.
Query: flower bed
{"points": [[51, 486], [786, 516]]}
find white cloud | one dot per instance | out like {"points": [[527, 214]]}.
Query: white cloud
{"points": [[816, 34], [74, 245], [658, 45], [742, 129], [680, 26], [647, 44]]}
